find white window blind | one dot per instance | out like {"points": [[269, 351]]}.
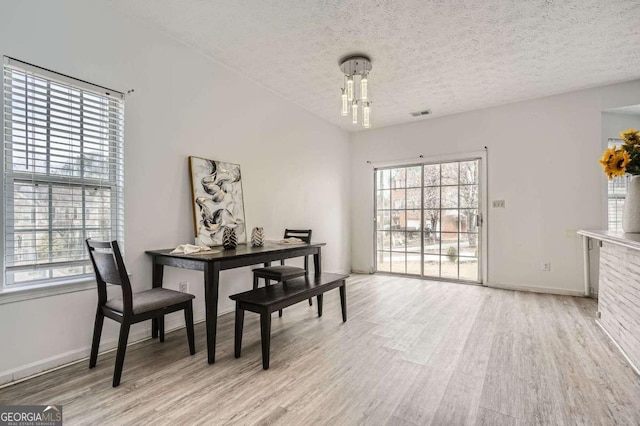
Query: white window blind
{"points": [[63, 173]]}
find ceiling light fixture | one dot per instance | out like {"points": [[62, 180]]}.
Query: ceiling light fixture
{"points": [[356, 70]]}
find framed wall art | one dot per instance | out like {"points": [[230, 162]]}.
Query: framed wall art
{"points": [[217, 199]]}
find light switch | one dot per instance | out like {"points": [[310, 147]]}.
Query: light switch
{"points": [[498, 204]]}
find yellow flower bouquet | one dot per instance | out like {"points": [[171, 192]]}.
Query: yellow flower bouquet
{"points": [[624, 159]]}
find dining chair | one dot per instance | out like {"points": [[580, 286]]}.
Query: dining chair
{"points": [[282, 272], [130, 308]]}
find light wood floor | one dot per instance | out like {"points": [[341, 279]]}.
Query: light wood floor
{"points": [[412, 353]]}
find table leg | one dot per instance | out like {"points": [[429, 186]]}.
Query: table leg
{"points": [[157, 274], [267, 281], [343, 300], [317, 262], [161, 327], [317, 269], [238, 334], [211, 284]]}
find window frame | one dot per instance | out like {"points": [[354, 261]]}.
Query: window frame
{"points": [[482, 156], [11, 291]]}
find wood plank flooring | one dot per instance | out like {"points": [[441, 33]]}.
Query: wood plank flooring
{"points": [[412, 353]]}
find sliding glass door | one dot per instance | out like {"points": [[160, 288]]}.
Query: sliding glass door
{"points": [[428, 220]]}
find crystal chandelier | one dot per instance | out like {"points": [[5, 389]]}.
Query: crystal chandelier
{"points": [[355, 92]]}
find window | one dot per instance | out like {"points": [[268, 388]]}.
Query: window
{"points": [[63, 173], [616, 193]]}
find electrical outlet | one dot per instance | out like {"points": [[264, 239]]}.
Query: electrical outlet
{"points": [[184, 287], [546, 266], [498, 204]]}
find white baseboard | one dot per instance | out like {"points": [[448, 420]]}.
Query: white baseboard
{"points": [[545, 290], [28, 371]]}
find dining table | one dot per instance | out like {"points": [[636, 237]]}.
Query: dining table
{"points": [[219, 259]]}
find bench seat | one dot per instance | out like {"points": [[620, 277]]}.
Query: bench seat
{"points": [[271, 298]]}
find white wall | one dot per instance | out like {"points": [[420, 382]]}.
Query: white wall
{"points": [[295, 166], [614, 122], [542, 160]]}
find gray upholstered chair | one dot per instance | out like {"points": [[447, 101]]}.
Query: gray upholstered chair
{"points": [[130, 308]]}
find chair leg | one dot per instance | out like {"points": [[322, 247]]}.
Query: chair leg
{"points": [[122, 348], [320, 297], [239, 327], [265, 331], [255, 281], [161, 327], [310, 302], [188, 320], [95, 344]]}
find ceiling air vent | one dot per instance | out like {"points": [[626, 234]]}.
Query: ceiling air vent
{"points": [[420, 113]]}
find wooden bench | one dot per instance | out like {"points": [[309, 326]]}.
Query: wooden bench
{"points": [[271, 298]]}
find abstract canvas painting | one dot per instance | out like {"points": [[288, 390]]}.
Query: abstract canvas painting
{"points": [[216, 189]]}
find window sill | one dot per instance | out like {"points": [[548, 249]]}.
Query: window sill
{"points": [[18, 294]]}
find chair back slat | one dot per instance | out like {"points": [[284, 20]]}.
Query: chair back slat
{"points": [[106, 267], [303, 234], [109, 268]]}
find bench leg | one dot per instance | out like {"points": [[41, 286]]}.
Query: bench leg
{"points": [[310, 302], [255, 281], [265, 331], [320, 297], [343, 301], [239, 326]]}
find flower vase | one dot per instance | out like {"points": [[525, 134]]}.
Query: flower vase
{"points": [[229, 239], [257, 237], [631, 210]]}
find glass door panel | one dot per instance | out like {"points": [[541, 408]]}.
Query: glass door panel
{"points": [[427, 219]]}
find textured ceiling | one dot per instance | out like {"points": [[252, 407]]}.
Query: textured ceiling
{"points": [[447, 56]]}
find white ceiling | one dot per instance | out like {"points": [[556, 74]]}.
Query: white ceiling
{"points": [[447, 56]]}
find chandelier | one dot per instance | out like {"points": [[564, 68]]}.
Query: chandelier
{"points": [[355, 92]]}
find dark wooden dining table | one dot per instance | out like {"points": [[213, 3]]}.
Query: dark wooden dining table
{"points": [[212, 263]]}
